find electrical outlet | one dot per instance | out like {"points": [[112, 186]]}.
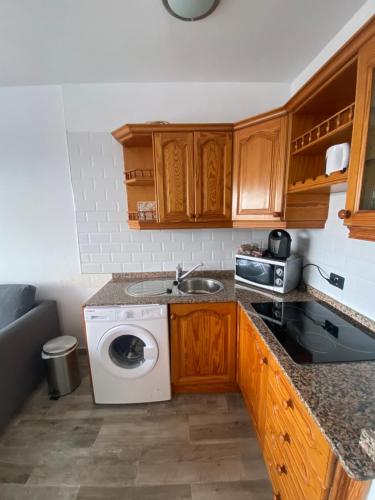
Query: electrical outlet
{"points": [[337, 280]]}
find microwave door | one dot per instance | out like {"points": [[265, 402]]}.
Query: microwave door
{"points": [[256, 272]]}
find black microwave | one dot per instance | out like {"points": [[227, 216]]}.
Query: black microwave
{"points": [[272, 274]]}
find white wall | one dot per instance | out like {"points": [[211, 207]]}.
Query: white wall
{"points": [[104, 107], [331, 249], [354, 24], [38, 241]]}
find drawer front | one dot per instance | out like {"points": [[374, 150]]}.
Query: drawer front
{"points": [[283, 483], [281, 437], [299, 424]]}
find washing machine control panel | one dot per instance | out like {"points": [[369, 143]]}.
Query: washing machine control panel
{"points": [[125, 313]]}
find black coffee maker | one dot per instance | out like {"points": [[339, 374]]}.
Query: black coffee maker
{"points": [[279, 244]]}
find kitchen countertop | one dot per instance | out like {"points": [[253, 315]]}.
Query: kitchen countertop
{"points": [[339, 396]]}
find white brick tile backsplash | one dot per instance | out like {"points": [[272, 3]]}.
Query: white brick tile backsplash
{"points": [[83, 238], [95, 195], [107, 245], [87, 227], [202, 256], [112, 268], [91, 268], [115, 216], [110, 227], [85, 205], [107, 205], [131, 247], [142, 257], [161, 256], [153, 246], [81, 217], [122, 236], [99, 237], [122, 257], [85, 258], [90, 248], [111, 247], [134, 267], [96, 216], [163, 236], [152, 267], [100, 258]]}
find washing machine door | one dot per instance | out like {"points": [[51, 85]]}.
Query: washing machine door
{"points": [[128, 351]]}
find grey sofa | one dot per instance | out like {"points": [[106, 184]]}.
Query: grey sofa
{"points": [[25, 326]]}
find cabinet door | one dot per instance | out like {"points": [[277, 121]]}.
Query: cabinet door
{"points": [[252, 374], [259, 171], [174, 176], [360, 203], [213, 176], [203, 347]]}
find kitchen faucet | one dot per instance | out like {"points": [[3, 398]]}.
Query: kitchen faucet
{"points": [[180, 275]]}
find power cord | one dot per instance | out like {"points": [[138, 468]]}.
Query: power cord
{"points": [[320, 270]]}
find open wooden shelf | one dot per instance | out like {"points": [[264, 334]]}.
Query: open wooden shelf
{"points": [[337, 179], [334, 130], [139, 177], [148, 216]]}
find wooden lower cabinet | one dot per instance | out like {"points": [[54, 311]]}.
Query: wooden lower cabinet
{"points": [[203, 347], [299, 459], [252, 370]]}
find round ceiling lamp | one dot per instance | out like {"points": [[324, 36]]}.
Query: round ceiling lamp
{"points": [[190, 10]]}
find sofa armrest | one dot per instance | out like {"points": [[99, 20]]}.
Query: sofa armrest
{"points": [[21, 366]]}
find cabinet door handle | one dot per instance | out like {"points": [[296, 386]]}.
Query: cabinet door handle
{"points": [[284, 438], [263, 361], [276, 496], [276, 214], [287, 403], [344, 214], [173, 316], [281, 469]]}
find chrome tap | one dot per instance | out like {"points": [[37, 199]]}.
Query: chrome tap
{"points": [[180, 275]]}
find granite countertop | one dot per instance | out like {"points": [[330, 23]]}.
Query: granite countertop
{"points": [[339, 396]]}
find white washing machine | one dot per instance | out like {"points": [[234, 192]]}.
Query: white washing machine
{"points": [[128, 348]]}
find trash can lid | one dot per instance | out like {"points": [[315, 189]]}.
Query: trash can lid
{"points": [[60, 345]]}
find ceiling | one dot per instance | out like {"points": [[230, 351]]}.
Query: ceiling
{"points": [[83, 41]]}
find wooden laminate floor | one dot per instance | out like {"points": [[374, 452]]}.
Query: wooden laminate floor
{"points": [[195, 447]]}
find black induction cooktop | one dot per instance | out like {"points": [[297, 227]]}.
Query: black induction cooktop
{"points": [[313, 333]]}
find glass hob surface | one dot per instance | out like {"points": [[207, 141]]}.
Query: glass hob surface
{"points": [[313, 333]]}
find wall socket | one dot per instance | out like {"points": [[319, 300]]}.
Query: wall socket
{"points": [[337, 280]]}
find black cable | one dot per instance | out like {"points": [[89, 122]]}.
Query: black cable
{"points": [[319, 270]]}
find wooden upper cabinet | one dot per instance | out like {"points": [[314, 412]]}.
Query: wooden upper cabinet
{"points": [[174, 173], [259, 171], [203, 347], [359, 213], [213, 176]]}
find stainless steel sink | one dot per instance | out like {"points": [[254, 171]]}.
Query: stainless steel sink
{"points": [[200, 286]]}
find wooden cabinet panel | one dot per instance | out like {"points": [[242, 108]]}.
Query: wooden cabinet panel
{"points": [[359, 214], [302, 469], [203, 347], [285, 407], [252, 370], [174, 176], [259, 171], [213, 176]]}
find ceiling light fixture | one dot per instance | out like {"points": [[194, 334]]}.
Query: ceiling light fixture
{"points": [[190, 10]]}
